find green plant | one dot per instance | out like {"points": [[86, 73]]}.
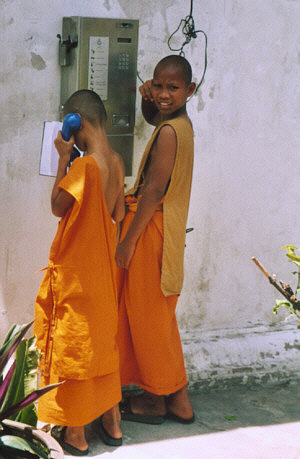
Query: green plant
{"points": [[19, 359], [291, 303]]}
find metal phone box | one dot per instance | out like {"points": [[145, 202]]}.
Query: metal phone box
{"points": [[101, 54]]}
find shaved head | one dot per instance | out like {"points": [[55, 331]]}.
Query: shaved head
{"points": [[87, 104], [178, 62]]}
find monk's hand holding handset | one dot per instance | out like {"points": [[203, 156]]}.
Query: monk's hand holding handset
{"points": [[61, 200], [64, 148]]}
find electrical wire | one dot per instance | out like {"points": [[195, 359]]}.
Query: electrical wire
{"points": [[140, 78], [188, 29], [187, 26]]}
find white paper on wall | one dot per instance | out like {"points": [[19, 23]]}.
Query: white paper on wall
{"points": [[49, 155]]}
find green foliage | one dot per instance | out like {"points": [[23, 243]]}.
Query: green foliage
{"points": [[24, 381], [18, 392], [230, 418], [293, 257], [15, 446]]}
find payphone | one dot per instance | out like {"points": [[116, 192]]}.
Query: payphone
{"points": [[101, 54]]}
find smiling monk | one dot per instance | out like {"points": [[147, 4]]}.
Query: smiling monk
{"points": [[151, 249]]}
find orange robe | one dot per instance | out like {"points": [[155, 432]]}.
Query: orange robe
{"points": [[175, 203], [148, 337], [76, 306], [150, 347]]}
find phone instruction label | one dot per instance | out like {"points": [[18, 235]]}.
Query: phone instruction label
{"points": [[98, 65]]}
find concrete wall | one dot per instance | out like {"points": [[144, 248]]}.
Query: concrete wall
{"points": [[245, 196]]}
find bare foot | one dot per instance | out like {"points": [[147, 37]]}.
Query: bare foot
{"points": [[179, 404], [147, 403], [75, 436], [111, 422]]}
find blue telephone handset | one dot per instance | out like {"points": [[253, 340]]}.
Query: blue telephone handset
{"points": [[71, 123]]}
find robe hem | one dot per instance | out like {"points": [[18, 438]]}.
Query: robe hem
{"points": [[167, 390], [83, 421]]}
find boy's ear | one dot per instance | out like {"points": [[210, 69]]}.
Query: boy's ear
{"points": [[191, 88]]}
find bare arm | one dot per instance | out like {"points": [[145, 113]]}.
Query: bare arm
{"points": [[149, 110], [61, 200], [119, 210], [158, 175]]}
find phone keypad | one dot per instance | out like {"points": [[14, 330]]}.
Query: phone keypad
{"points": [[123, 62]]}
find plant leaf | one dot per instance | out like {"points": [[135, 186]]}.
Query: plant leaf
{"points": [[16, 390], [14, 337], [18, 444], [279, 303], [33, 356], [27, 401], [286, 305], [24, 381], [28, 415], [290, 248], [5, 384], [294, 258]]}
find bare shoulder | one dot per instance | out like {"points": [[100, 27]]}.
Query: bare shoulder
{"points": [[118, 161], [167, 131], [166, 137]]}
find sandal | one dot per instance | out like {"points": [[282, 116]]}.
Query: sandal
{"points": [[58, 432], [99, 428], [128, 415]]}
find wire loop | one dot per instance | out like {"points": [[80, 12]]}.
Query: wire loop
{"points": [[187, 26]]}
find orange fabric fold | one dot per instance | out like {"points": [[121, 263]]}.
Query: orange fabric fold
{"points": [[76, 309], [77, 403], [149, 342]]}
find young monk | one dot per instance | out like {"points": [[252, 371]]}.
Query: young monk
{"points": [[76, 306], [151, 251]]}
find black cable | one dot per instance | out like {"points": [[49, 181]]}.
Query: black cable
{"points": [[188, 30], [139, 77]]}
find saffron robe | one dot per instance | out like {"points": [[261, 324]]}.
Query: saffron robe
{"points": [[76, 306], [175, 204], [150, 347]]}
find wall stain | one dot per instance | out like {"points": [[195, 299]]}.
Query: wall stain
{"points": [[107, 5], [201, 103], [242, 370], [267, 354], [203, 285], [205, 351], [139, 129], [37, 62], [212, 92], [288, 346]]}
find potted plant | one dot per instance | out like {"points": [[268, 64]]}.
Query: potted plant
{"points": [[19, 437]]}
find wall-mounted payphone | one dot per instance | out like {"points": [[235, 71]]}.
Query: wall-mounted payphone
{"points": [[101, 54]]}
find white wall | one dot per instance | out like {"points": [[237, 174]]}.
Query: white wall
{"points": [[246, 193]]}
